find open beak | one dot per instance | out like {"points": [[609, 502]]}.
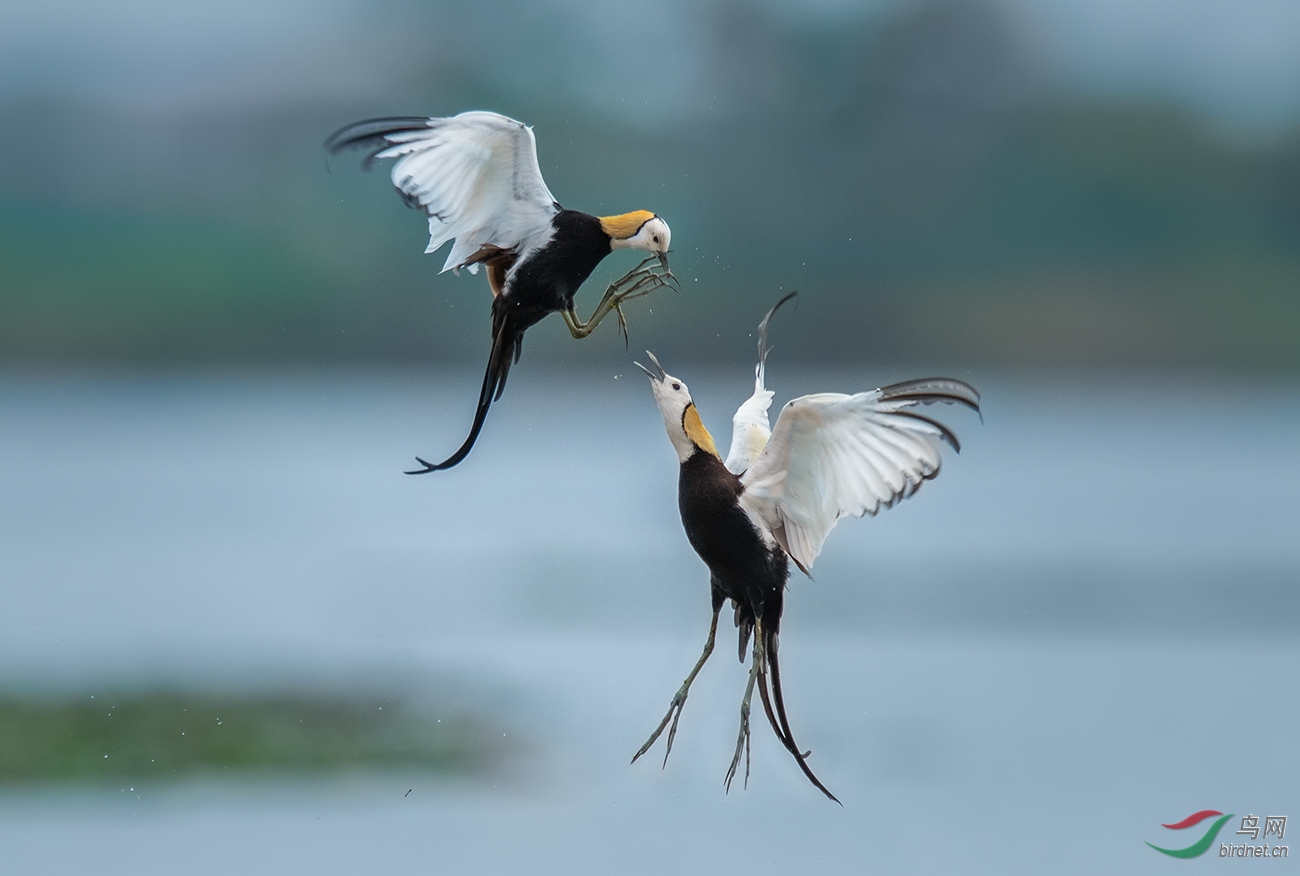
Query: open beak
{"points": [[657, 378]]}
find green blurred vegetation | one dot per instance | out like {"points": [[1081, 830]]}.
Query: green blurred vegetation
{"points": [[917, 177], [163, 735]]}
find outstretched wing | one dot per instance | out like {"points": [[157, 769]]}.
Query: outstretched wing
{"points": [[749, 427], [833, 455], [475, 174]]}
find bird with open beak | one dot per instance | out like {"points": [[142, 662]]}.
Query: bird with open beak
{"points": [[776, 497]]}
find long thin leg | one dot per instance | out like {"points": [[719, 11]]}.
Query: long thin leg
{"points": [[611, 302], [762, 682], [742, 739], [679, 699]]}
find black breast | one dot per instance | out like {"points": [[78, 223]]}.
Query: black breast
{"points": [[549, 278], [744, 568]]}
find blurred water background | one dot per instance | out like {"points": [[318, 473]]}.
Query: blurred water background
{"points": [[217, 353]]}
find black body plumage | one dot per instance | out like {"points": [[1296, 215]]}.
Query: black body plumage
{"points": [[742, 566], [546, 279], [533, 270], [541, 283]]}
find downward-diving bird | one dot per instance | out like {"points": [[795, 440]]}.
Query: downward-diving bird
{"points": [[476, 175], [778, 495]]}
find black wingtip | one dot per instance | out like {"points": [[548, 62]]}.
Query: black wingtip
{"points": [[371, 134], [358, 133], [928, 390]]}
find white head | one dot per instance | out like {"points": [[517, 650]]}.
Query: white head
{"points": [[681, 419], [639, 229]]}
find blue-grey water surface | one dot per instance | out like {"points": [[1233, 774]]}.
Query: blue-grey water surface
{"points": [[1085, 627]]}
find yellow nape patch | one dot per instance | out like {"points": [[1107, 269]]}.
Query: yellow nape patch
{"points": [[695, 431], [626, 225]]}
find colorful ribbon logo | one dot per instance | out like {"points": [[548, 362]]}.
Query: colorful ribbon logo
{"points": [[1198, 847]]}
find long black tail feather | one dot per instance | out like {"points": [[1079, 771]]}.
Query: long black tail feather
{"points": [[507, 345], [787, 738]]}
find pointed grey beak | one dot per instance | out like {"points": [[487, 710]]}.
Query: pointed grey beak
{"points": [[655, 377], [663, 260]]}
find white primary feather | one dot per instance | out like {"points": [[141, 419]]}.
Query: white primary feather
{"points": [[477, 176], [750, 428], [832, 455]]}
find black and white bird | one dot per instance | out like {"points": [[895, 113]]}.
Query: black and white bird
{"points": [[778, 495], [476, 175]]}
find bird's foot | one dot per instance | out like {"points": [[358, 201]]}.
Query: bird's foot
{"points": [[679, 699], [742, 744], [742, 740], [674, 713], [636, 283], [652, 266]]}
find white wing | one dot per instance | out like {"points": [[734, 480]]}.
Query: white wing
{"points": [[475, 174], [833, 455], [749, 427]]}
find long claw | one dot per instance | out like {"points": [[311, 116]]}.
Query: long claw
{"points": [[675, 713], [637, 271], [622, 327], [742, 744], [742, 740]]}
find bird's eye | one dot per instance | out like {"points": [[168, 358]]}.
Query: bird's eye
{"points": [[656, 238], [677, 386]]}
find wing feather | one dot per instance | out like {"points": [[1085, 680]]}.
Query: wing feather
{"points": [[833, 455], [750, 428], [476, 175]]}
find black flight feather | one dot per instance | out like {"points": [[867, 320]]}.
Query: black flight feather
{"points": [[372, 134]]}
